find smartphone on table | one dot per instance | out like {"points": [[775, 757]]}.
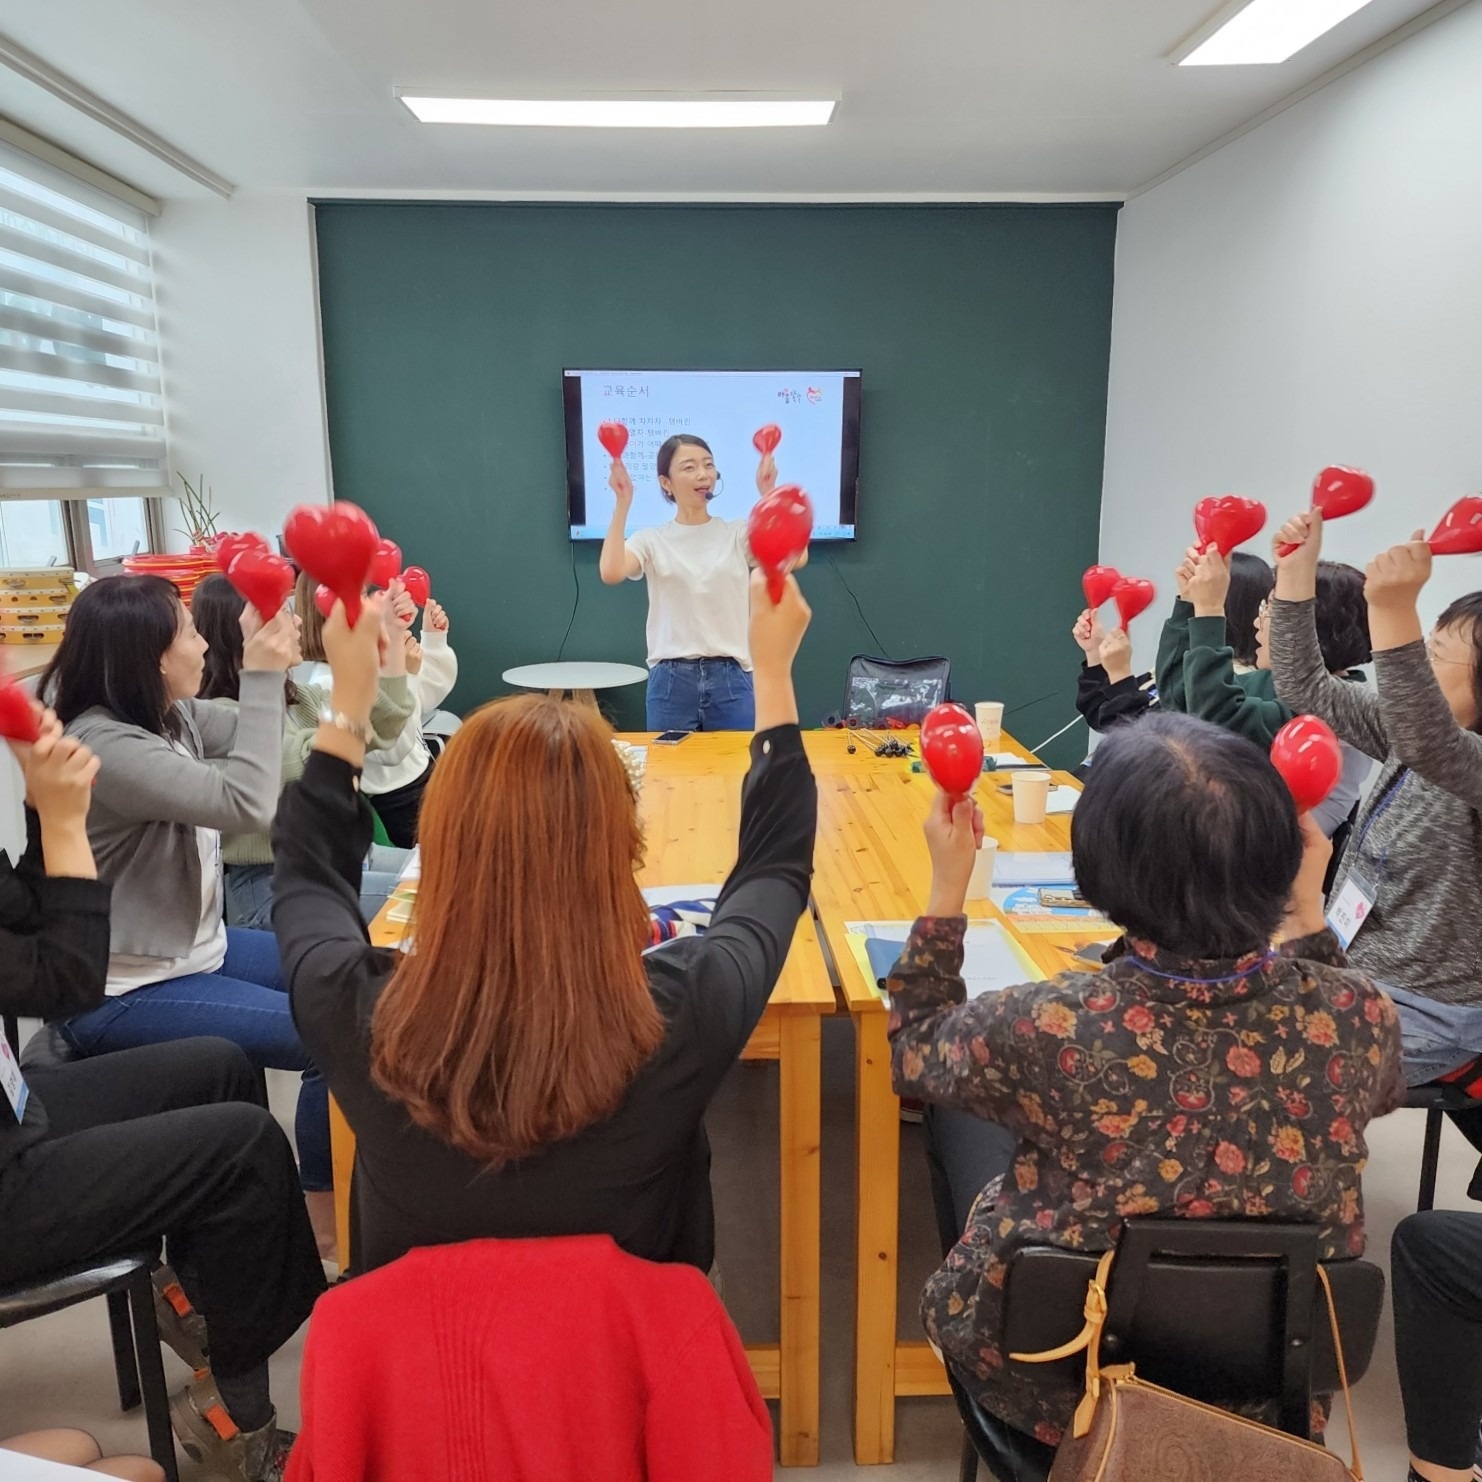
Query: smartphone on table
{"points": [[670, 738]]}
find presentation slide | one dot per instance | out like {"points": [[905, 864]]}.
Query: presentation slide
{"points": [[818, 412]]}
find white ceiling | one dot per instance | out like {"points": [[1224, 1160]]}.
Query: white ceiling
{"points": [[939, 98]]}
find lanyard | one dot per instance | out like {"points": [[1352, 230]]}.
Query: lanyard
{"points": [[1390, 793], [1257, 966]]}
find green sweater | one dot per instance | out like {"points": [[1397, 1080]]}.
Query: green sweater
{"points": [[1196, 675], [393, 707]]}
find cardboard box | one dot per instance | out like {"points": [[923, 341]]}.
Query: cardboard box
{"points": [[40, 578], [36, 597], [38, 633]]}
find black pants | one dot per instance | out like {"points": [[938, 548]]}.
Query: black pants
{"points": [[963, 1152], [1436, 1272], [169, 1142], [399, 809]]}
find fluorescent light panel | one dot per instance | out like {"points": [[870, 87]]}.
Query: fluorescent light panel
{"points": [[624, 113], [1270, 31]]}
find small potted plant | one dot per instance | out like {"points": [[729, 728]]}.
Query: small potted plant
{"points": [[200, 518]]}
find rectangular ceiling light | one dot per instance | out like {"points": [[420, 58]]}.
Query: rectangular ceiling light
{"points": [[1269, 31], [652, 112]]}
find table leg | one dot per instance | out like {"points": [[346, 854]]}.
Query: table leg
{"points": [[800, 1115], [342, 1162], [585, 697], [556, 694], [877, 1215]]}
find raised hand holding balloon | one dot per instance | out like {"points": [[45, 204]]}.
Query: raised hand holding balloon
{"points": [[779, 529], [765, 439], [1336, 491], [614, 437], [418, 585], [1133, 594], [264, 579], [335, 544], [1228, 521], [1098, 583], [952, 748], [1307, 754], [385, 563], [1460, 530]]}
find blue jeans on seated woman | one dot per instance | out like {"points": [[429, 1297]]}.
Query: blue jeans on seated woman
{"points": [[249, 888], [245, 1001], [700, 695]]}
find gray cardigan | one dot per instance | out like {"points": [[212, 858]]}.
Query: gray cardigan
{"points": [[149, 801], [1419, 836]]}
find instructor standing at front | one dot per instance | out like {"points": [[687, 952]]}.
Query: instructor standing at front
{"points": [[698, 594]]}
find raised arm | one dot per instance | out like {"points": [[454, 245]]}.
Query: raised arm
{"points": [[1213, 691], [1173, 644], [742, 952], [1302, 678], [1423, 732], [619, 561]]}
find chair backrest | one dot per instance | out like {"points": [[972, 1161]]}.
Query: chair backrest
{"points": [[887, 692], [1224, 1311]]}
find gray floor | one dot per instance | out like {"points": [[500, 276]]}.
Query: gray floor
{"points": [[57, 1371]]}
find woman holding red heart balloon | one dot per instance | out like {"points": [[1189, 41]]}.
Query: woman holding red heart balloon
{"points": [[697, 569], [1406, 893], [1108, 692]]}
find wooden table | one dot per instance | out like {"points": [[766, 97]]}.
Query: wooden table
{"points": [[26, 660], [691, 809], [871, 864]]}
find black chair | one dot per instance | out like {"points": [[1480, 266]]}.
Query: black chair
{"points": [[1435, 1101], [884, 693], [1224, 1311], [128, 1284]]}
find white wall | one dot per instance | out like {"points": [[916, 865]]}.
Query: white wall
{"points": [[1310, 294], [239, 320]]}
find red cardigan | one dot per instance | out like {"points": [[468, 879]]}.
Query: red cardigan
{"points": [[558, 1360]]}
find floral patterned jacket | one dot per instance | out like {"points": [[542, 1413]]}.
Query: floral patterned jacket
{"points": [[1161, 1085]]}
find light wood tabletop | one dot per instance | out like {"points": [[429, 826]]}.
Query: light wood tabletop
{"points": [[691, 811]]}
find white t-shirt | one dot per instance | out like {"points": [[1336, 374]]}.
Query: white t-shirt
{"points": [[699, 600], [126, 973]]}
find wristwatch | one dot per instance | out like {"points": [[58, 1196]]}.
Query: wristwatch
{"points": [[341, 722]]}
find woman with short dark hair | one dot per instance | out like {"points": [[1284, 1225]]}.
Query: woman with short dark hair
{"points": [[1205, 1073], [696, 566]]}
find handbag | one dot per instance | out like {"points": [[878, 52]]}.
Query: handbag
{"points": [[1127, 1430]]}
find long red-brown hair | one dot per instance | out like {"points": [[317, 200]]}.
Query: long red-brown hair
{"points": [[524, 1011]]}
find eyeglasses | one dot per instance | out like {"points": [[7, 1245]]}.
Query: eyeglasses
{"points": [[1435, 658]]}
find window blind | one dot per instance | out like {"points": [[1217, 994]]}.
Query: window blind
{"points": [[81, 409]]}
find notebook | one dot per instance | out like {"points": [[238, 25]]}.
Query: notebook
{"points": [[991, 960]]}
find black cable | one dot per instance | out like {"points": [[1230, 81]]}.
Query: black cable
{"points": [[873, 634], [576, 602], [1054, 694]]}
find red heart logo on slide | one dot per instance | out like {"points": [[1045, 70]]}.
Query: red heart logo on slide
{"points": [[952, 748], [226, 548], [264, 579], [1307, 754], [1097, 584], [779, 528], [1460, 531], [614, 437], [385, 563], [1228, 521], [335, 545], [324, 600], [17, 719], [765, 439], [418, 585], [1133, 594]]}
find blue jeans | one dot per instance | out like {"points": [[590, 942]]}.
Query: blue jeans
{"points": [[249, 888], [700, 695], [246, 1002], [1436, 1037]]}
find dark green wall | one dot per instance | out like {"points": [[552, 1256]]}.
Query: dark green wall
{"points": [[983, 333]]}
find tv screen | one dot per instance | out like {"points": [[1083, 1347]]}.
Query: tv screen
{"points": [[818, 412]]}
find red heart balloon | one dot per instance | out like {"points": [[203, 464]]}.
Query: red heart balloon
{"points": [[614, 437], [765, 439], [1309, 758], [1228, 521], [335, 544], [264, 579], [952, 748], [227, 548], [17, 719], [385, 563], [1133, 594], [324, 600], [418, 585], [1460, 531], [1337, 491], [779, 528], [1097, 584]]}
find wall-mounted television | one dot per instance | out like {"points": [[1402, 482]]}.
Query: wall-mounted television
{"points": [[818, 412]]}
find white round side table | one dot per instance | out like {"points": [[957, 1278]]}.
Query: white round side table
{"points": [[581, 678]]}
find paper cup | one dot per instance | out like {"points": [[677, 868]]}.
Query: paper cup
{"points": [[982, 876], [989, 715], [1031, 796]]}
